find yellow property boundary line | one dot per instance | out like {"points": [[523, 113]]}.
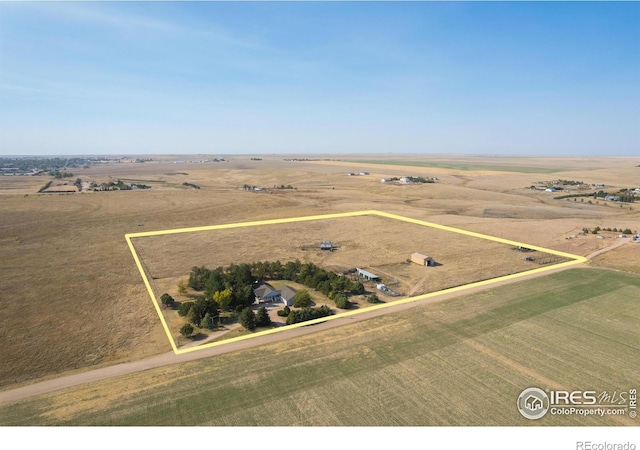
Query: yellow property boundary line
{"points": [[575, 259]]}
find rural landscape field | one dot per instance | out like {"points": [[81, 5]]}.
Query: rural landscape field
{"points": [[74, 303], [399, 222]]}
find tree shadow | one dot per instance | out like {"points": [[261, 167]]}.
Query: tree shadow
{"points": [[198, 337]]}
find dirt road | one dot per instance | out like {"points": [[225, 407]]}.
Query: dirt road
{"points": [[165, 359]]}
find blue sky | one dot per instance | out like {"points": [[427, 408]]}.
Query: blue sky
{"points": [[509, 78]]}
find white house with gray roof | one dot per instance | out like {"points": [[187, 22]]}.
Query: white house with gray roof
{"points": [[265, 293]]}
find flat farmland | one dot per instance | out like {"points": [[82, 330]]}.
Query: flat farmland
{"points": [[381, 245], [74, 301], [459, 362], [371, 242]]}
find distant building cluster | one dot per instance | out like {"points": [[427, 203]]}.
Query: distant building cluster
{"points": [[409, 180], [201, 161]]}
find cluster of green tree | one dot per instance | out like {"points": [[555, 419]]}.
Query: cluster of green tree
{"points": [[310, 275], [120, 185], [250, 320], [302, 299], [560, 197], [28, 164], [187, 329], [195, 186], [305, 314], [570, 182], [415, 179], [202, 313], [238, 279], [117, 186], [45, 187], [78, 183], [373, 298], [57, 174], [282, 186], [596, 230], [232, 286], [167, 300], [422, 180], [341, 300], [624, 196]]}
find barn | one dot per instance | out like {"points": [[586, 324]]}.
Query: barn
{"points": [[422, 260]]}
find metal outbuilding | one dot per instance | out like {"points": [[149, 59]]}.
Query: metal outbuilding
{"points": [[422, 260], [367, 275]]}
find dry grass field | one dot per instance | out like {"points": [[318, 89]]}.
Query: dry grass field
{"points": [[378, 244], [462, 361], [73, 300]]}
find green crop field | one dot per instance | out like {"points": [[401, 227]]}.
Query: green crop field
{"points": [[461, 166], [458, 362]]}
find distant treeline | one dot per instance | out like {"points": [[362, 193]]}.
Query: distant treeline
{"points": [[45, 187], [27, 164], [117, 186], [597, 230], [624, 196], [58, 174]]}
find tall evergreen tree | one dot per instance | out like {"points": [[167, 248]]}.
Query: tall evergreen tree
{"points": [[262, 317], [248, 319]]}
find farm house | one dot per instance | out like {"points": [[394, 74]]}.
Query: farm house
{"points": [[422, 260], [265, 293]]}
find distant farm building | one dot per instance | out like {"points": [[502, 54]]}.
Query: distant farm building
{"points": [[326, 245], [368, 275], [422, 260]]}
